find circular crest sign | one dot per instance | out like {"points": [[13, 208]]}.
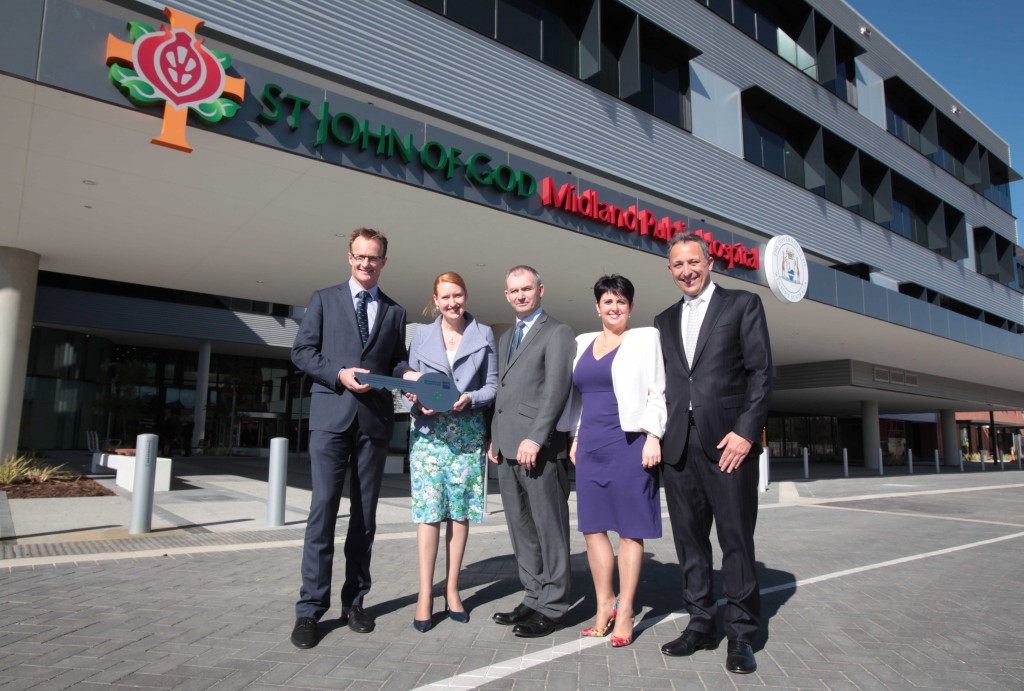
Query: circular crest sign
{"points": [[785, 268]]}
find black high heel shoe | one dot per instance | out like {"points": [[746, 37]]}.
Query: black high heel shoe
{"points": [[461, 617], [423, 625]]}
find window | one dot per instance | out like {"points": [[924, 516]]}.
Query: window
{"points": [[519, 25], [562, 25], [779, 139], [478, 15], [664, 76]]}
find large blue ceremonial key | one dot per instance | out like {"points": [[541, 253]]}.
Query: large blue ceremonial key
{"points": [[433, 390]]}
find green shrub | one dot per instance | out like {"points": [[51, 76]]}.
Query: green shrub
{"points": [[28, 468]]}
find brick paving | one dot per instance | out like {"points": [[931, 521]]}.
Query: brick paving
{"points": [[890, 582]]}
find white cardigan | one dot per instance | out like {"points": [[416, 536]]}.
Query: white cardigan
{"points": [[638, 379]]}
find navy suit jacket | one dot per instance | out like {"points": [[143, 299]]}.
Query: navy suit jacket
{"points": [[730, 381], [328, 342]]}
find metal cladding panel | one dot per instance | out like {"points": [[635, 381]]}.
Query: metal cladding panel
{"points": [[736, 57], [436, 67], [73, 308], [888, 60]]}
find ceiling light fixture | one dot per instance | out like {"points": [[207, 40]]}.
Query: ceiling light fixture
{"points": [[88, 182], [865, 31]]}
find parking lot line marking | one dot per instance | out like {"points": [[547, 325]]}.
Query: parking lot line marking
{"points": [[500, 670]]}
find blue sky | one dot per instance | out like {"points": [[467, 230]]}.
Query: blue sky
{"points": [[973, 48]]}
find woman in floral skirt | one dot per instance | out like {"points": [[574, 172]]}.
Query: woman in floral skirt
{"points": [[446, 449]]}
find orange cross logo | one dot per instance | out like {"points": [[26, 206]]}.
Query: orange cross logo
{"points": [[172, 65]]}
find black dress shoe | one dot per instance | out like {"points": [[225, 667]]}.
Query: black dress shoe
{"points": [[536, 626], [304, 633], [740, 659], [358, 620], [423, 625], [517, 616], [689, 643]]}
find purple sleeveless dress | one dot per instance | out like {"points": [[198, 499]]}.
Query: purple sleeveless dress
{"points": [[614, 492]]}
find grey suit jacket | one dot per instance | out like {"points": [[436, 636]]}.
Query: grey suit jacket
{"points": [[328, 342], [730, 381], [533, 387]]}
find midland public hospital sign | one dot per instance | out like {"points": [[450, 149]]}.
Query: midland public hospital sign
{"points": [[172, 66]]}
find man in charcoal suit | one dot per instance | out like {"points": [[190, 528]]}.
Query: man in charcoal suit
{"points": [[718, 380], [349, 328]]}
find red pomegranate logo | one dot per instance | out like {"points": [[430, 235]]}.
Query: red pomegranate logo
{"points": [[179, 67], [173, 66]]}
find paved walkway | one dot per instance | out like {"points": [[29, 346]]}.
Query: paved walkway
{"points": [[868, 582]]}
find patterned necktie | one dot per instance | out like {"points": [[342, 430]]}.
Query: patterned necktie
{"points": [[362, 320], [517, 338], [692, 330]]}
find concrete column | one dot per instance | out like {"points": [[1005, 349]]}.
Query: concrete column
{"points": [[950, 438], [19, 271], [870, 432], [202, 392]]}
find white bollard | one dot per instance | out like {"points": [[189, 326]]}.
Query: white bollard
{"points": [[846, 463], [937, 461], [910, 461], [277, 481], [807, 467], [881, 465], [144, 484], [762, 466]]}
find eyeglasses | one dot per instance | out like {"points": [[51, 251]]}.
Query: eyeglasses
{"points": [[370, 258]]}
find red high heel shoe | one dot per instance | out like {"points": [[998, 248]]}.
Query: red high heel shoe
{"points": [[620, 641], [597, 632]]}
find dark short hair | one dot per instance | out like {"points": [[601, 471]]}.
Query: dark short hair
{"points": [[616, 285], [691, 237], [369, 234]]}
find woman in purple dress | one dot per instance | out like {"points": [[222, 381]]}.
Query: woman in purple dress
{"points": [[618, 415]]}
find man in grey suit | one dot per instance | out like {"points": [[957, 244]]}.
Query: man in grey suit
{"points": [[347, 329], [534, 376]]}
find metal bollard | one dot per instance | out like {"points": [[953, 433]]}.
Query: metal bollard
{"points": [[937, 461], [143, 484], [881, 465], [961, 461], [999, 455], [1017, 441], [762, 469], [846, 463], [910, 461], [277, 481], [807, 467]]}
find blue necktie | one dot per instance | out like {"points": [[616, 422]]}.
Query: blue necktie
{"points": [[517, 338], [361, 318]]}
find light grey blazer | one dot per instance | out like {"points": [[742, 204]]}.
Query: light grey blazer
{"points": [[475, 370]]}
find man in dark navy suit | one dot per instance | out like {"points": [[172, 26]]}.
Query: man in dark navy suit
{"points": [[718, 380], [347, 329]]}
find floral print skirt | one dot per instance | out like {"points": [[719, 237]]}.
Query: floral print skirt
{"points": [[446, 465]]}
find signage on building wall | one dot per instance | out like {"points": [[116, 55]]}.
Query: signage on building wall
{"points": [[172, 66], [643, 222], [344, 129], [785, 268]]}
